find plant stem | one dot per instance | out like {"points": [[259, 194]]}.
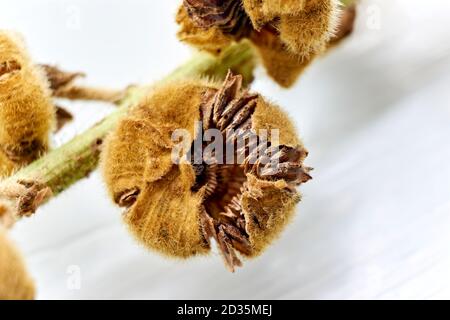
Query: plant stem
{"points": [[22, 193]]}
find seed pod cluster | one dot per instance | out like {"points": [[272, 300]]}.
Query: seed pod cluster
{"points": [[288, 34], [178, 208], [26, 109], [15, 283]]}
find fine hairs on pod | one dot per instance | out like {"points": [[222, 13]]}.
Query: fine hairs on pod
{"points": [[26, 109], [15, 282], [287, 34], [178, 208]]}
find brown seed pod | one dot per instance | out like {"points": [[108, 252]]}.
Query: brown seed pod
{"points": [[210, 39], [300, 30], [177, 208], [26, 109], [15, 282]]}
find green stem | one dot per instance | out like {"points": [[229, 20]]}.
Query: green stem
{"points": [[55, 172]]}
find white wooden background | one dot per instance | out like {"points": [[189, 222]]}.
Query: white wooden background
{"points": [[375, 114]]}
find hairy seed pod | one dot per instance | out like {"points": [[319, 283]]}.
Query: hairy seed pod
{"points": [[302, 29], [210, 39], [26, 109], [15, 283], [176, 208]]}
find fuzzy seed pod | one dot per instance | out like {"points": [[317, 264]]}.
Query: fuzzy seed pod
{"points": [[301, 30], [15, 283], [177, 208], [26, 109], [210, 39]]}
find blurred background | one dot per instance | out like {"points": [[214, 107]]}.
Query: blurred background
{"points": [[374, 113]]}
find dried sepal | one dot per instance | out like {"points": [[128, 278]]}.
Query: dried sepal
{"points": [[179, 208], [141, 177], [62, 84], [280, 63], [15, 282], [268, 207], [165, 216], [21, 198], [308, 32], [346, 25], [63, 117], [26, 109], [59, 79]]}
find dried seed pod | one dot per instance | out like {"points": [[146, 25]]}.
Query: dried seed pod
{"points": [[210, 39], [15, 282], [283, 65], [177, 208], [26, 109], [301, 29]]}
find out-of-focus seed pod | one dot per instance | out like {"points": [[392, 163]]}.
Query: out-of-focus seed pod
{"points": [[301, 30], [177, 208], [15, 282], [26, 109]]}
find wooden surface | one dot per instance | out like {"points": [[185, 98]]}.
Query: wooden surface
{"points": [[375, 115]]}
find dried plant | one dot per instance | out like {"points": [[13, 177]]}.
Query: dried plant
{"points": [[28, 114], [15, 282], [26, 109], [287, 34], [22, 193], [177, 209]]}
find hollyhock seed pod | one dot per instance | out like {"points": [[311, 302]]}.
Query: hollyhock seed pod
{"points": [[177, 208], [26, 109], [299, 30], [15, 283], [210, 39]]}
